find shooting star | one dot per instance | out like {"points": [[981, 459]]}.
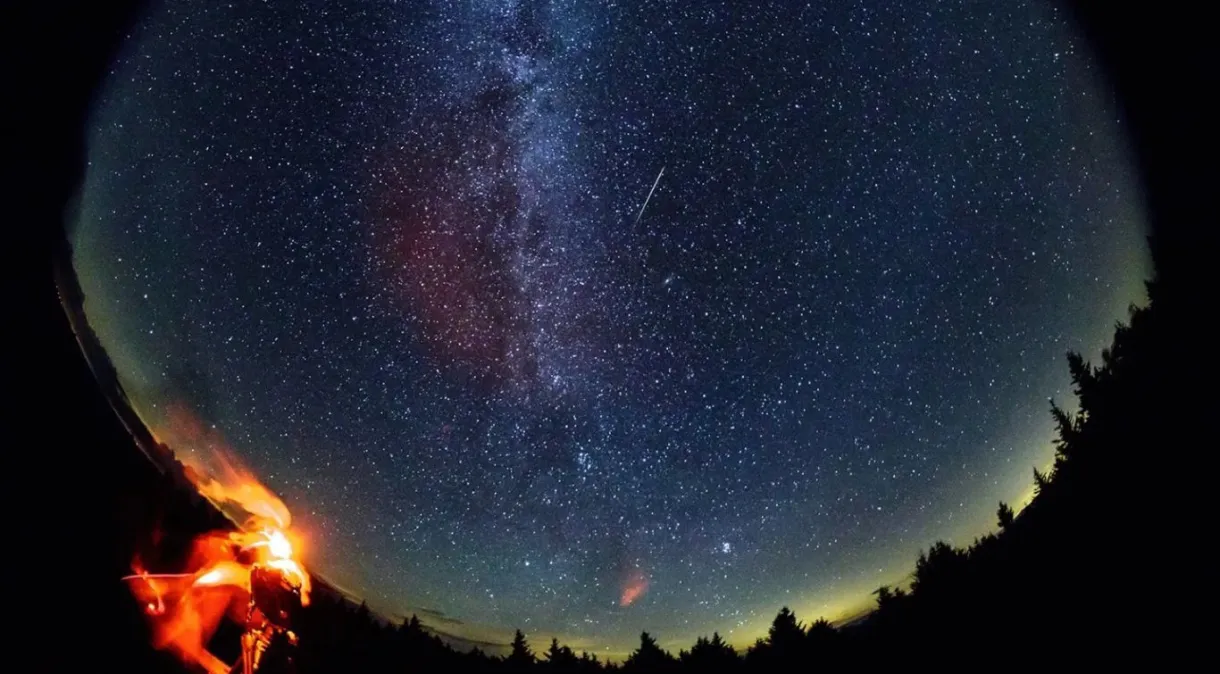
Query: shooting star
{"points": [[649, 197]]}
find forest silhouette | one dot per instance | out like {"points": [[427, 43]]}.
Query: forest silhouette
{"points": [[1057, 576]]}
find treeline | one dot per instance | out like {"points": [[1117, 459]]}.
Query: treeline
{"points": [[1072, 575]]}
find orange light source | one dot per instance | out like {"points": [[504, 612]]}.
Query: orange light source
{"points": [[186, 608]]}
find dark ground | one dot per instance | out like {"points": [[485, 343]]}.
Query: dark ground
{"points": [[83, 496]]}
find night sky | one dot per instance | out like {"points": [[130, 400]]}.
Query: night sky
{"points": [[592, 318]]}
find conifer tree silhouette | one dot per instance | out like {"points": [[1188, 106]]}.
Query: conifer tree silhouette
{"points": [[649, 657], [521, 658], [1004, 515]]}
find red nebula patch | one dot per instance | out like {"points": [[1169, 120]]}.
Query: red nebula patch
{"points": [[441, 253], [634, 587]]}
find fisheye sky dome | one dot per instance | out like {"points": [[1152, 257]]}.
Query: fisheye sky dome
{"points": [[594, 318]]}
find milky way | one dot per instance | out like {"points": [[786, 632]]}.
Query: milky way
{"points": [[588, 318]]}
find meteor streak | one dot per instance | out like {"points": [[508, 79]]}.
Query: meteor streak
{"points": [[649, 197]]}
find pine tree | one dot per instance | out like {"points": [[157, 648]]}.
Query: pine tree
{"points": [[521, 658], [649, 657], [822, 640], [710, 655], [1041, 481], [938, 567], [560, 658], [589, 663], [1005, 515], [786, 634], [1067, 427], [884, 596]]}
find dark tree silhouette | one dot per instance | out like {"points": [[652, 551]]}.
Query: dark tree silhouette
{"points": [[939, 567], [560, 658], [1041, 480], [710, 655], [1004, 515], [589, 663], [887, 597], [649, 657], [821, 629], [786, 633], [521, 658], [824, 644]]}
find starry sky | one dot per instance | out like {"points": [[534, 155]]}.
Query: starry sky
{"points": [[589, 318]]}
